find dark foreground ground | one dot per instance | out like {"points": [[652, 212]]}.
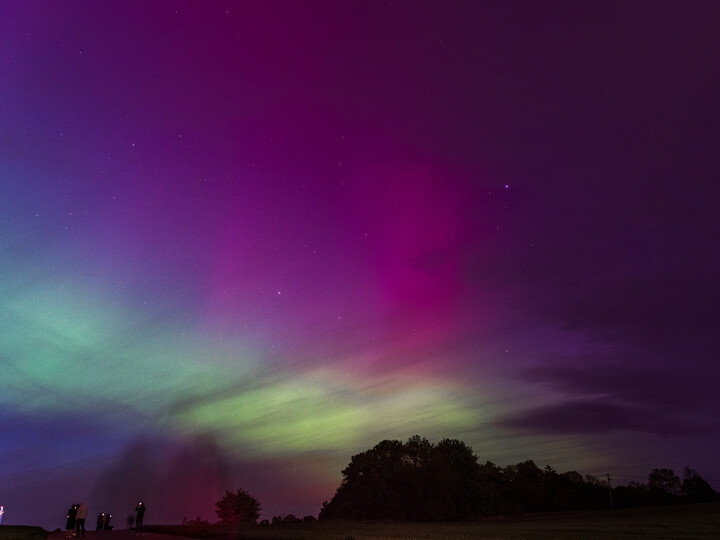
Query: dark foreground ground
{"points": [[114, 535], [661, 523], [10, 532]]}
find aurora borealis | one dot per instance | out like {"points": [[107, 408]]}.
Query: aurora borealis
{"points": [[242, 241]]}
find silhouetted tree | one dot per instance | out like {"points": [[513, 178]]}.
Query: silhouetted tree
{"points": [[664, 486], [238, 507], [456, 489], [496, 489], [695, 488], [414, 481], [195, 522], [419, 481], [528, 485], [634, 494]]}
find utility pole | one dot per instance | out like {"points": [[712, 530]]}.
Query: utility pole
{"points": [[612, 507]]}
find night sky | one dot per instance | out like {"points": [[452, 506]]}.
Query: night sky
{"points": [[241, 242]]}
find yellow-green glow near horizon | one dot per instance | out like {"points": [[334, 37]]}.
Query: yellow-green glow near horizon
{"points": [[307, 412], [70, 344]]}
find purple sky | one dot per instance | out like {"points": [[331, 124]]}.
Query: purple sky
{"points": [[241, 242]]}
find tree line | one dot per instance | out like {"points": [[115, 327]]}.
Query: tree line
{"points": [[420, 481]]}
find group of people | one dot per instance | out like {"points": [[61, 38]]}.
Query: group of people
{"points": [[103, 522], [75, 525], [77, 514]]}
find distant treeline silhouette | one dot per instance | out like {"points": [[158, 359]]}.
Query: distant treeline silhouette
{"points": [[420, 481]]}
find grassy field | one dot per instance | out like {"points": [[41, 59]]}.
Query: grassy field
{"points": [[661, 523]]}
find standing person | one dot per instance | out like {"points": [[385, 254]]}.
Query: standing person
{"points": [[140, 509], [70, 523], [99, 522], [82, 512]]}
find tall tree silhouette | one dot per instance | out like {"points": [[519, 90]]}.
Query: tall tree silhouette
{"points": [[695, 488], [238, 507], [414, 481], [664, 486]]}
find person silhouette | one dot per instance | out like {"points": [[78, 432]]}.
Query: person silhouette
{"points": [[140, 509], [70, 523], [82, 512]]}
